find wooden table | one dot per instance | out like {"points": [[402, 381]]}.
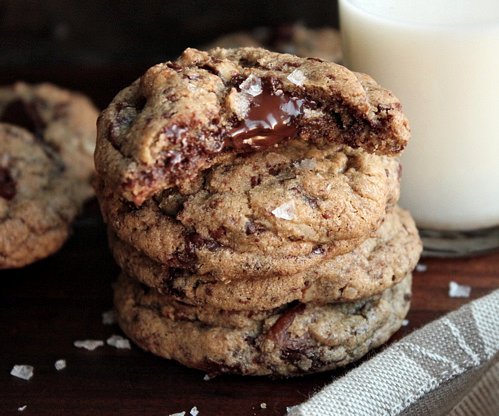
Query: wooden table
{"points": [[45, 307]]}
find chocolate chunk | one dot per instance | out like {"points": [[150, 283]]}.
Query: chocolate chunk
{"points": [[269, 119], [23, 114], [7, 185]]}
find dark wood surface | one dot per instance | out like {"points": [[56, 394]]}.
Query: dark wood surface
{"points": [[45, 307]]}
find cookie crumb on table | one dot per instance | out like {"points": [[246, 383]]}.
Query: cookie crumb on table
{"points": [[22, 371], [109, 317], [459, 291], [89, 344]]}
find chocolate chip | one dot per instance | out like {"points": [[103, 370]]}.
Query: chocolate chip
{"points": [[255, 180], [7, 184], [25, 115]]}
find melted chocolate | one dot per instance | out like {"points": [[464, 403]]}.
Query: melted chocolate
{"points": [[23, 114], [269, 120], [7, 185]]}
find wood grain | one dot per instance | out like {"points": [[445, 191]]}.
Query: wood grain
{"points": [[45, 307]]}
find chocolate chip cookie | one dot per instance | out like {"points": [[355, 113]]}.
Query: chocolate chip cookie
{"points": [[323, 43], [276, 211], [295, 339], [377, 264], [38, 200], [64, 121], [183, 117]]}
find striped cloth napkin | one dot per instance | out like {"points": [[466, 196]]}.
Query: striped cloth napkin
{"points": [[448, 367]]}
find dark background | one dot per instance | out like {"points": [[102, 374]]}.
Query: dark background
{"points": [[98, 32], [107, 44]]}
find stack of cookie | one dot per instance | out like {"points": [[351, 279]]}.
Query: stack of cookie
{"points": [[250, 198], [47, 140]]}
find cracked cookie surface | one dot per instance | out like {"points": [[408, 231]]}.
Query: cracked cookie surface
{"points": [[375, 265], [63, 121], [278, 211], [38, 200], [182, 117], [293, 340]]}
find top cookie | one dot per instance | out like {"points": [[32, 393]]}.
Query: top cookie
{"points": [[181, 116]]}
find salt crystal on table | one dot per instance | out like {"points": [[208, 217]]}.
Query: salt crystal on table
{"points": [[405, 322], [297, 77], [22, 371], [206, 377], [89, 344], [421, 268], [194, 411], [22, 408], [60, 365], [108, 317], [177, 414], [459, 291], [286, 211], [252, 85], [119, 342], [263, 405]]}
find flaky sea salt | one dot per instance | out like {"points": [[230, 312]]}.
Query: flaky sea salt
{"points": [[252, 85], [194, 411], [263, 405], [421, 267], [109, 317], [177, 414], [60, 365], [459, 291], [22, 371], [297, 77], [405, 322], [286, 211], [22, 408], [206, 377], [119, 342], [89, 344], [308, 164]]}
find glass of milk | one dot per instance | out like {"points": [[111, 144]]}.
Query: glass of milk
{"points": [[441, 59]]}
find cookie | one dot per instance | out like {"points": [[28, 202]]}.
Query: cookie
{"points": [[293, 340], [38, 200], [277, 211], [183, 117], [323, 43], [377, 264], [64, 121]]}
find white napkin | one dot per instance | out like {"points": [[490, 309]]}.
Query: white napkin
{"points": [[449, 366]]}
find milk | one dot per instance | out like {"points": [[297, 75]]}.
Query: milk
{"points": [[441, 59]]}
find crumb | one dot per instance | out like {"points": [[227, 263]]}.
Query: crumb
{"points": [[263, 405], [108, 317], [252, 86], [405, 322], [60, 365], [286, 211], [421, 267], [297, 77], [459, 291], [22, 408], [22, 371], [88, 344], [119, 342], [194, 411]]}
